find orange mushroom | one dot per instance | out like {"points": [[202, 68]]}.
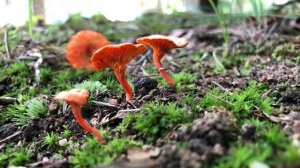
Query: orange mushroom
{"points": [[81, 48], [160, 45], [77, 98], [117, 57]]}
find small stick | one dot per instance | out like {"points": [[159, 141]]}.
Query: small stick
{"points": [[175, 64], [132, 105], [119, 114], [144, 72], [104, 104], [10, 136], [7, 100], [220, 99], [37, 70], [266, 93], [221, 87], [6, 42], [129, 110]]}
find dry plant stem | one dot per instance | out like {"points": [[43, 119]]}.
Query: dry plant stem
{"points": [[7, 100], [76, 109], [120, 74], [157, 55], [105, 104], [7, 48], [10, 136]]}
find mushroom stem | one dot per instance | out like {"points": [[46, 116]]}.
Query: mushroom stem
{"points": [[76, 109], [157, 55], [120, 74]]}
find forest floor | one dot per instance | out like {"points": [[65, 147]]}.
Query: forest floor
{"points": [[235, 103]]}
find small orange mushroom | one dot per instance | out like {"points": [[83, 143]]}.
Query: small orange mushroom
{"points": [[160, 45], [117, 57], [77, 98], [81, 48]]}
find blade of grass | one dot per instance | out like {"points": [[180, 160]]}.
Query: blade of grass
{"points": [[30, 17], [220, 21]]}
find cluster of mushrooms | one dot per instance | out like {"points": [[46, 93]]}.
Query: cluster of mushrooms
{"points": [[91, 51]]}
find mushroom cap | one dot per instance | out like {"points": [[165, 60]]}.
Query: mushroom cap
{"points": [[81, 48], [161, 42], [76, 96], [114, 56]]}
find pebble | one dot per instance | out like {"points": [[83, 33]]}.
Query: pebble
{"points": [[257, 164], [63, 142]]}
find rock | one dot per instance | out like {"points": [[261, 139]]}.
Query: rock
{"points": [[114, 102], [31, 131], [53, 106], [63, 142], [257, 164], [190, 160], [143, 85], [248, 131], [7, 130]]}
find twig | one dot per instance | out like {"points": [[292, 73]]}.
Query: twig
{"points": [[144, 72], [6, 42], [37, 69], [225, 101], [7, 100], [175, 64], [10, 136], [132, 105], [129, 110], [104, 104], [218, 62], [266, 93], [204, 55], [221, 87], [120, 114], [236, 71]]}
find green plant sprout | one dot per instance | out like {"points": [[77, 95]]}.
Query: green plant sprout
{"points": [[92, 154], [155, 120], [258, 9], [30, 17], [91, 86], [219, 14], [240, 102], [50, 140], [20, 114]]}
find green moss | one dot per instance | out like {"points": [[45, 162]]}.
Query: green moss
{"points": [[92, 86], [14, 38], [67, 133], [286, 51], [14, 156], [155, 120], [232, 60], [272, 147], [100, 75], [241, 103], [21, 113], [50, 140], [20, 157], [244, 154], [65, 79], [45, 75], [189, 102], [17, 75], [184, 81], [93, 153]]}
